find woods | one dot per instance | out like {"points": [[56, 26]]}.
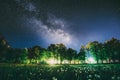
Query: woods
{"points": [[107, 52]]}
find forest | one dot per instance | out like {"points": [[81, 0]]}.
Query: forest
{"points": [[93, 52]]}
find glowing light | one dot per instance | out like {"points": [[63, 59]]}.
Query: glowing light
{"points": [[26, 61], [52, 61], [91, 60], [65, 62]]}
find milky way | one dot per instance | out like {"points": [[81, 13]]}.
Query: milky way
{"points": [[53, 30], [26, 23]]}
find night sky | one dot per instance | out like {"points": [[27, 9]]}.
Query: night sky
{"points": [[25, 23]]}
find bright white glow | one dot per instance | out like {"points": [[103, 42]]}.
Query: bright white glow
{"points": [[65, 62], [52, 61], [91, 60], [54, 34]]}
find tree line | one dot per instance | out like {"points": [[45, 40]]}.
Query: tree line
{"points": [[107, 52]]}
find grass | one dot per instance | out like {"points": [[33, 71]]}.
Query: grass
{"points": [[60, 72]]}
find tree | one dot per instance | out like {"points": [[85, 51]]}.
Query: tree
{"points": [[112, 49], [34, 53], [101, 51], [93, 47], [61, 51], [71, 55], [82, 54], [4, 48], [53, 48], [24, 55]]}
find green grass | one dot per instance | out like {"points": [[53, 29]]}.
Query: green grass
{"points": [[60, 72]]}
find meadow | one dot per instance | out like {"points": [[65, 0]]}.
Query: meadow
{"points": [[60, 72]]}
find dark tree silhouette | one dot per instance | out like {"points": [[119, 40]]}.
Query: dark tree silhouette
{"points": [[61, 51], [71, 54], [54, 49], [82, 54], [112, 49], [108, 51]]}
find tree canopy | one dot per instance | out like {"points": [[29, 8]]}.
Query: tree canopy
{"points": [[107, 52]]}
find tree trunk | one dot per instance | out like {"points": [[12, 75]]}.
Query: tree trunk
{"points": [[97, 61], [102, 61]]}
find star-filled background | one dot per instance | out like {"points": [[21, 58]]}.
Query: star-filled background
{"points": [[26, 23]]}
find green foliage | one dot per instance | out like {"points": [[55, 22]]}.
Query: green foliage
{"points": [[71, 54], [108, 52], [82, 54]]}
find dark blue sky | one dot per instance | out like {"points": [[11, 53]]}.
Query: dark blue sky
{"points": [[26, 23]]}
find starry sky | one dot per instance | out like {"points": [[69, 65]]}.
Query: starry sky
{"points": [[26, 23]]}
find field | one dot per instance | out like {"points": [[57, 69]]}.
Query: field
{"points": [[60, 72]]}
